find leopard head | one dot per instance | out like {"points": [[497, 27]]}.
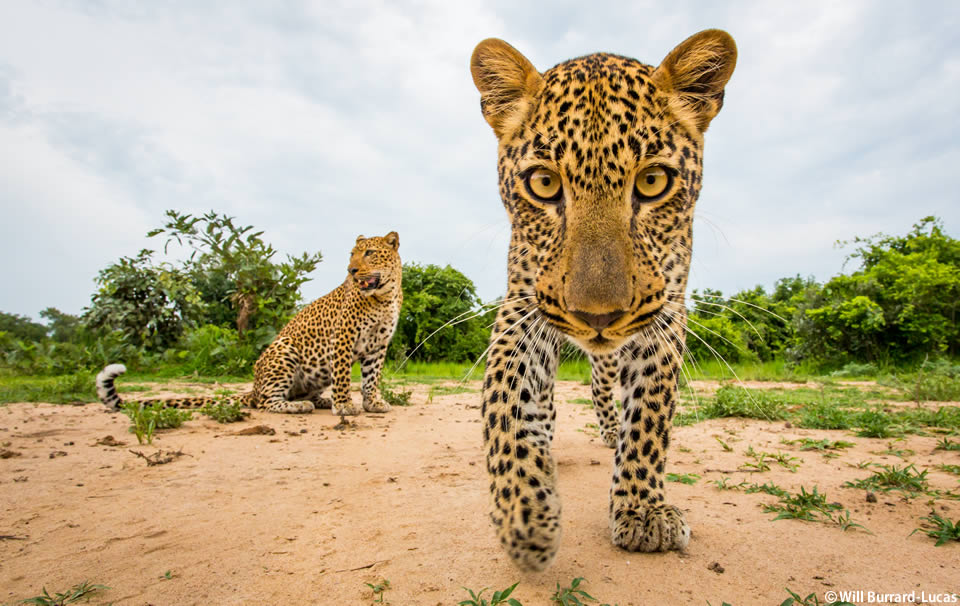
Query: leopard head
{"points": [[600, 163], [375, 266]]}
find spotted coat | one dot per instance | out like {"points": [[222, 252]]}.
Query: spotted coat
{"points": [[599, 164], [316, 349]]}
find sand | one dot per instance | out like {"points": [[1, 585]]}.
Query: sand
{"points": [[311, 514]]}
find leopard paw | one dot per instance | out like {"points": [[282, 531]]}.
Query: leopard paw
{"points": [[292, 407], [610, 437], [322, 402], [657, 528], [347, 409], [376, 405]]}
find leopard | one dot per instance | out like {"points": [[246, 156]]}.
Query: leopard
{"points": [[599, 164], [317, 348]]}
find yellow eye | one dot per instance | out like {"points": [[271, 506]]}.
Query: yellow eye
{"points": [[652, 182], [544, 184]]}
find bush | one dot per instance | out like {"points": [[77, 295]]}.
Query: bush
{"points": [[213, 350]]}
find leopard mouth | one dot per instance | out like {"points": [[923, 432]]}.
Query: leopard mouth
{"points": [[368, 283], [606, 339]]}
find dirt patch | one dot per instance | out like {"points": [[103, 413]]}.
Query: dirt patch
{"points": [[256, 430], [314, 513]]}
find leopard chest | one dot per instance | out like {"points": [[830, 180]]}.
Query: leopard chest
{"points": [[376, 330]]}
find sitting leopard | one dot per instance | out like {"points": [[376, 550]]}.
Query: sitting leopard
{"points": [[317, 348], [600, 164]]}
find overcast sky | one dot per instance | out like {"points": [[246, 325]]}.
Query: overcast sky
{"points": [[320, 121]]}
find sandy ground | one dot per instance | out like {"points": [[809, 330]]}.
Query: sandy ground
{"points": [[312, 513]]}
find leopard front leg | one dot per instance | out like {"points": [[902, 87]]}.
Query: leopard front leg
{"points": [[371, 367], [640, 520], [340, 364], [516, 432], [603, 376]]}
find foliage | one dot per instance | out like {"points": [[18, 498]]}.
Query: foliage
{"points": [[395, 397], [225, 412], [379, 589], [902, 302], [21, 327], [63, 389], [750, 325], [937, 380], [686, 478], [810, 506], [232, 263], [892, 477], [150, 305], [498, 597], [215, 350], [441, 317], [571, 596], [735, 401], [939, 528], [62, 327], [810, 600], [145, 419], [74, 594]]}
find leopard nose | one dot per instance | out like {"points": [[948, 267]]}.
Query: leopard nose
{"points": [[354, 270], [599, 321]]}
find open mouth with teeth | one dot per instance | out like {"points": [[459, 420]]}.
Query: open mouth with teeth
{"points": [[369, 283]]}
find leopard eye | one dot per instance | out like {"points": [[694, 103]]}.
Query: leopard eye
{"points": [[544, 185], [368, 253], [652, 182]]}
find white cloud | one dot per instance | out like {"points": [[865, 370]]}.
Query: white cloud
{"points": [[318, 121]]}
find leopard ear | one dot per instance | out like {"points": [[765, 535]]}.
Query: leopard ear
{"points": [[393, 239], [695, 73], [508, 84], [360, 239]]}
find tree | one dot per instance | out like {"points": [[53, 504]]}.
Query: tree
{"points": [[231, 264], [62, 327], [149, 304], [432, 297], [22, 327], [901, 303]]}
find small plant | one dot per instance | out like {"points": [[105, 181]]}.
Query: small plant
{"points": [[225, 412], [821, 445], [395, 398], [843, 520], [941, 529], [810, 506], [892, 477], [760, 460], [785, 460], [946, 444], [810, 600], [825, 415], [731, 401], [875, 424], [902, 453], [142, 425], [954, 469], [379, 589], [768, 488], [724, 484], [145, 419], [726, 447], [570, 596], [74, 594], [686, 478], [498, 597]]}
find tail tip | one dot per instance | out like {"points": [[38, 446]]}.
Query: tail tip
{"points": [[105, 389]]}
